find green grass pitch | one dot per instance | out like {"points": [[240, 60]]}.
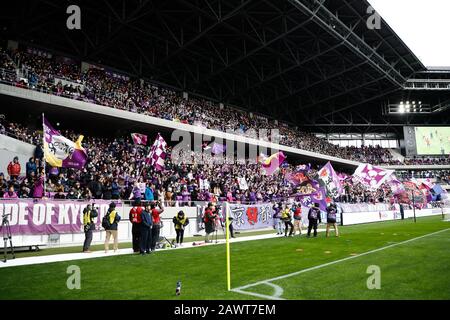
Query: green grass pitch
{"points": [[414, 270]]}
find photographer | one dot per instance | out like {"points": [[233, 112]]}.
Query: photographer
{"points": [[277, 223], [209, 218], [112, 219], [180, 221], [156, 228], [89, 213], [230, 227], [286, 218]]}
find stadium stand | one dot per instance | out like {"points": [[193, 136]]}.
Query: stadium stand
{"points": [[116, 170], [61, 76]]}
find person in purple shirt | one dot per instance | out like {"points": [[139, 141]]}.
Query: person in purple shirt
{"points": [[185, 196], [136, 192], [10, 194], [38, 190], [277, 223], [252, 196]]}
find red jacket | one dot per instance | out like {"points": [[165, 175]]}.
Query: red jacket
{"points": [[135, 215], [155, 216], [14, 169], [209, 216]]}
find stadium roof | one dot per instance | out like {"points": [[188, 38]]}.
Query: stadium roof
{"points": [[307, 62]]}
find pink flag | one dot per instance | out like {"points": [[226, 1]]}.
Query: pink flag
{"points": [[272, 163], [371, 176], [139, 138]]}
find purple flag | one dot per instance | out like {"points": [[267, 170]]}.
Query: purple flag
{"points": [[218, 148], [272, 163], [62, 152], [139, 138], [371, 176], [330, 180], [319, 197]]}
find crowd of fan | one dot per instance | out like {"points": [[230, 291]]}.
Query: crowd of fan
{"points": [[63, 77], [427, 160], [116, 169], [441, 176]]}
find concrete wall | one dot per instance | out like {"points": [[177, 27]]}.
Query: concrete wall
{"points": [[9, 148]]}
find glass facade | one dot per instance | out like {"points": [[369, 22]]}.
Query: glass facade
{"points": [[385, 140]]}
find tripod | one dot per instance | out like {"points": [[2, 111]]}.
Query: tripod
{"points": [[6, 231], [219, 222]]}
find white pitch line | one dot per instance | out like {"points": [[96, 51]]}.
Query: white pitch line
{"points": [[257, 295], [240, 289], [278, 290], [128, 251]]}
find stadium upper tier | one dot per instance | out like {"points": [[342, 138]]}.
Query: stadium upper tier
{"points": [[63, 77]]}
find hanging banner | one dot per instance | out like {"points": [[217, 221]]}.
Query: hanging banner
{"points": [[34, 217], [246, 217]]}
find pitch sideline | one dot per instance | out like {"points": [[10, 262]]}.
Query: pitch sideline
{"points": [[277, 295]]}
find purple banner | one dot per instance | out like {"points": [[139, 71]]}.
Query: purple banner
{"points": [[28, 216]]}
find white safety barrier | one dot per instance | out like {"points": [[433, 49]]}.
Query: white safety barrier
{"points": [[349, 218]]}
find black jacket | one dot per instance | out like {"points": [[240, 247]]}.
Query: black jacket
{"points": [[331, 215], [115, 223], [146, 219], [311, 214]]}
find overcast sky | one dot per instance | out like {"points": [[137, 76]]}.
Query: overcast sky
{"points": [[423, 25]]}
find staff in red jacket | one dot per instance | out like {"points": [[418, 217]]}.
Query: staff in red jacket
{"points": [[14, 168], [136, 220], [209, 219], [156, 228]]}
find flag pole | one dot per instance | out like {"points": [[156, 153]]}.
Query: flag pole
{"points": [[43, 146]]}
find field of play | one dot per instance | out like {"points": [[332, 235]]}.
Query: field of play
{"points": [[413, 260]]}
